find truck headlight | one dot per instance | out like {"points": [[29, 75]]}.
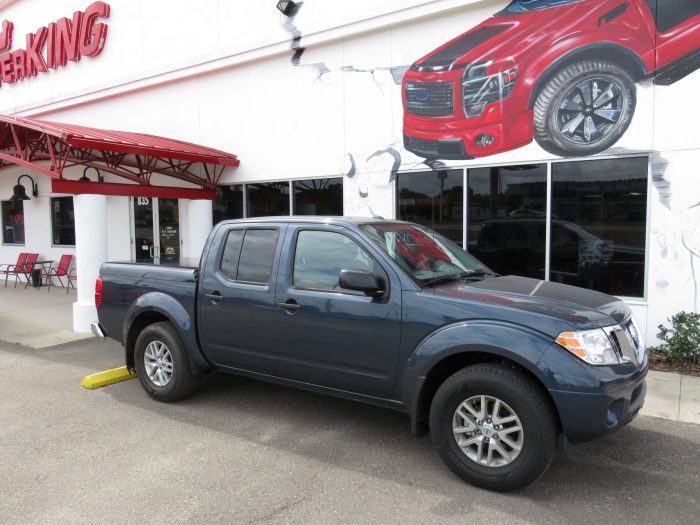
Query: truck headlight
{"points": [[592, 346], [479, 88]]}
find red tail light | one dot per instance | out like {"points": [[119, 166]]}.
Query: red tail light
{"points": [[98, 292]]}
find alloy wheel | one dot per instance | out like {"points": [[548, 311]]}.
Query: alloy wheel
{"points": [[590, 110], [158, 363], [488, 431]]}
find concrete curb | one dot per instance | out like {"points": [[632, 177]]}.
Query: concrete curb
{"points": [[672, 396]]}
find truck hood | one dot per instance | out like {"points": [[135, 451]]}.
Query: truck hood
{"points": [[504, 35], [576, 305]]}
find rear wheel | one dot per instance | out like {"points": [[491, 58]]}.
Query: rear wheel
{"points": [[162, 365], [494, 427]]}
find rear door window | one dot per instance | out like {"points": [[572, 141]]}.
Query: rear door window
{"points": [[248, 255]]}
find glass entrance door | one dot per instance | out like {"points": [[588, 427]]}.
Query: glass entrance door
{"points": [[156, 230]]}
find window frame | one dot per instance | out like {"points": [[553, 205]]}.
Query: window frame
{"points": [[53, 224], [340, 291], [549, 162]]}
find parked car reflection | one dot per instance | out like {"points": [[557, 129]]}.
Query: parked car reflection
{"points": [[516, 246]]}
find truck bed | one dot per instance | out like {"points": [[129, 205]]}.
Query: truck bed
{"points": [[125, 284]]}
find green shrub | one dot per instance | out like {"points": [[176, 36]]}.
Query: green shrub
{"points": [[682, 339]]}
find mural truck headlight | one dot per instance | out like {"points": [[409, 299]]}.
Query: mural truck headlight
{"points": [[480, 88]]}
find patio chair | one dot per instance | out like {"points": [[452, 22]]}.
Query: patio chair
{"points": [[59, 272], [26, 269], [13, 269]]}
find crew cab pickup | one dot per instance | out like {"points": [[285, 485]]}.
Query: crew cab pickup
{"points": [[393, 314], [560, 71]]}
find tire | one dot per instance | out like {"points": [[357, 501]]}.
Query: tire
{"points": [[518, 395], [175, 380], [565, 109]]}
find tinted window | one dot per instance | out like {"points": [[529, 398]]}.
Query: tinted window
{"points": [[599, 214], [255, 263], [268, 199], [320, 256], [318, 196], [670, 13], [228, 203], [507, 218], [62, 221], [13, 222], [232, 251], [433, 199]]}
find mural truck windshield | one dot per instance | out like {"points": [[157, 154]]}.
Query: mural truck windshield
{"points": [[524, 6]]}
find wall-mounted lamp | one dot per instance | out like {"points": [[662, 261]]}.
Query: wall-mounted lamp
{"points": [[19, 193], [288, 7], [85, 178]]}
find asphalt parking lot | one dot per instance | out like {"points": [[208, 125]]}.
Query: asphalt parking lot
{"points": [[241, 451]]}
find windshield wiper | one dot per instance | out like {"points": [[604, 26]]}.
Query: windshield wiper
{"points": [[461, 276]]}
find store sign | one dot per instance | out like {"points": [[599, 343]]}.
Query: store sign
{"points": [[54, 45]]}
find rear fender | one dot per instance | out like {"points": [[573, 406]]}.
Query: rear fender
{"points": [[166, 306]]}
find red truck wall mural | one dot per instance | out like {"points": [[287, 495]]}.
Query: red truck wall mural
{"points": [[561, 72]]}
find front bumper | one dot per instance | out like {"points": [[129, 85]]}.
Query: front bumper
{"points": [[458, 140], [588, 416]]}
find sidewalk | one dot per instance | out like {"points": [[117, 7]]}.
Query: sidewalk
{"points": [[39, 319], [672, 396]]}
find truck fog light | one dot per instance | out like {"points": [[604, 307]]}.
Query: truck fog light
{"points": [[484, 140]]}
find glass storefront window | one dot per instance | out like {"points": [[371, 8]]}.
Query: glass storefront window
{"points": [[228, 203], [318, 196], [599, 214], [62, 221], [268, 199], [13, 222], [433, 199], [507, 220]]}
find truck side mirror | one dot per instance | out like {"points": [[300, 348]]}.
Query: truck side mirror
{"points": [[360, 281]]}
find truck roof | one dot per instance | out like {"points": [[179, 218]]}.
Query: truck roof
{"points": [[312, 219]]}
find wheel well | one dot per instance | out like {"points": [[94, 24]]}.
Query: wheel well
{"points": [[622, 57], [137, 326], [451, 364]]}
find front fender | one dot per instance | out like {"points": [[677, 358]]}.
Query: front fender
{"points": [[519, 344], [165, 305], [467, 342]]}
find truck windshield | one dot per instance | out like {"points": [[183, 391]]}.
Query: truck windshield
{"points": [[525, 6], [426, 256]]}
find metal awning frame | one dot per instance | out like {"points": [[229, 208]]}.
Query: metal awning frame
{"points": [[51, 154]]}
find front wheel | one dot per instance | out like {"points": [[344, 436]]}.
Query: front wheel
{"points": [[584, 109], [494, 427], [162, 365]]}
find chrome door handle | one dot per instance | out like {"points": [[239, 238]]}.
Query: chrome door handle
{"points": [[291, 307]]}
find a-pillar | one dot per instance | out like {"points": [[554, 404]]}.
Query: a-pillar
{"points": [[199, 224], [90, 252]]}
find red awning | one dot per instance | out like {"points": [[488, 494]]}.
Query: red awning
{"points": [[51, 147]]}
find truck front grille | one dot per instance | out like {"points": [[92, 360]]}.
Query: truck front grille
{"points": [[430, 99]]}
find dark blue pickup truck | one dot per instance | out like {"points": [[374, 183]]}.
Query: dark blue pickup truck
{"points": [[393, 314]]}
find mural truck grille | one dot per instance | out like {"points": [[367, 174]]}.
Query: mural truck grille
{"points": [[430, 99]]}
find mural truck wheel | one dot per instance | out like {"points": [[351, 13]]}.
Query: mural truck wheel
{"points": [[584, 108]]}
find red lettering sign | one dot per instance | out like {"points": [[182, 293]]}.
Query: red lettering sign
{"points": [[54, 45]]}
